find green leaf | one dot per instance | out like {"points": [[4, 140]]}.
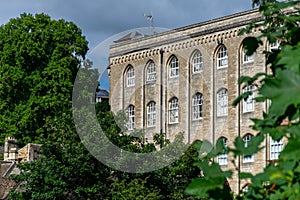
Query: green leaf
{"points": [[283, 91], [290, 57]]}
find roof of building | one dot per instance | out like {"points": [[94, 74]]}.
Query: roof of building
{"points": [[102, 93], [131, 36]]}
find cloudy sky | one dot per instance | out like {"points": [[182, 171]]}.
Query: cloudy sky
{"points": [[101, 19]]}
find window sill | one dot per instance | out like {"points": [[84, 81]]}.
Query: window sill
{"points": [[248, 111], [222, 67]]}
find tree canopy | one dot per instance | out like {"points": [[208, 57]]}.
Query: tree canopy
{"points": [[39, 59]]}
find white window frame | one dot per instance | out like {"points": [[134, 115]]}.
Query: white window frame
{"points": [[248, 159], [248, 104], [275, 148], [197, 62], [222, 57], [246, 58], [151, 72], [174, 67], [131, 117], [197, 106], [275, 45], [130, 77], [173, 111], [222, 102], [151, 114], [223, 158]]}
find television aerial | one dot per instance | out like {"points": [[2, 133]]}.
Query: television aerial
{"points": [[150, 18]]}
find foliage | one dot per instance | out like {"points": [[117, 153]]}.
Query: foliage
{"points": [[281, 88], [39, 59], [135, 189]]}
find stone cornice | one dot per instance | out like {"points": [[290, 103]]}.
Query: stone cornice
{"points": [[185, 40]]}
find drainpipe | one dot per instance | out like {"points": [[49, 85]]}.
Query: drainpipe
{"points": [[239, 120], [161, 51], [189, 102]]}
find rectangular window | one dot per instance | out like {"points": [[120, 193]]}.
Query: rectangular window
{"points": [[223, 158], [248, 104], [173, 111], [151, 115], [174, 67], [222, 102], [247, 59], [151, 72], [275, 148], [248, 158]]}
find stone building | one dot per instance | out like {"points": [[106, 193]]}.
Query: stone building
{"points": [[12, 155], [185, 80]]}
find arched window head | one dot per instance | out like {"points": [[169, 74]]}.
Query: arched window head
{"points": [[248, 158], [151, 72], [197, 62], [130, 78], [173, 110], [174, 67], [222, 102], [197, 106], [223, 158], [151, 114], [131, 116], [222, 57]]}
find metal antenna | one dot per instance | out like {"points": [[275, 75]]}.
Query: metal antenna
{"points": [[150, 18]]}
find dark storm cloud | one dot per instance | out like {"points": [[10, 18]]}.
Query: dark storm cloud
{"points": [[100, 19]]}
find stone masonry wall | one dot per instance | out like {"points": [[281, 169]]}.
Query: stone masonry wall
{"points": [[206, 37]]}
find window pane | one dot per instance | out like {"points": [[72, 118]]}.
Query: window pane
{"points": [[130, 115], [197, 62], [151, 72], [130, 77], [197, 106], [173, 110], [223, 158], [222, 60], [248, 158], [151, 114], [174, 67], [222, 102], [248, 104], [275, 148]]}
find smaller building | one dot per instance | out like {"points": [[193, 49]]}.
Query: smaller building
{"points": [[102, 95], [8, 166]]}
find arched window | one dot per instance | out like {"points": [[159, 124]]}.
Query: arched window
{"points": [[130, 78], [275, 148], [222, 59], [173, 110], [174, 67], [248, 158], [197, 62], [151, 114], [248, 104], [246, 58], [131, 116], [197, 106], [223, 158], [151, 72], [222, 102]]}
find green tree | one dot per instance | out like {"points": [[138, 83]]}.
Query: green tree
{"points": [[39, 59], [281, 87]]}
